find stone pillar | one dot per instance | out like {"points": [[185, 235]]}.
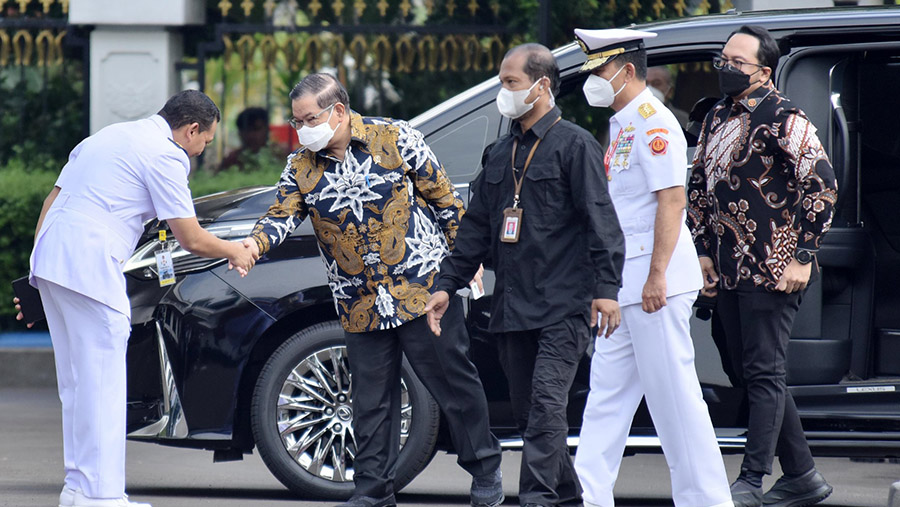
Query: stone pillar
{"points": [[134, 49]]}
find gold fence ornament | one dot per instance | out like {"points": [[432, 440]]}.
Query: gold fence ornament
{"points": [[725, 5], [358, 49], [702, 8], [269, 49], [451, 7], [224, 7], [65, 6], [292, 50], [495, 7], [312, 48], [245, 46], [449, 52], [359, 6], [338, 7], [471, 51], [406, 53], [23, 53], [494, 57], [247, 5], [23, 5], [658, 7], [229, 50], [405, 7], [335, 43], [429, 7], [635, 7], [269, 7], [428, 57], [46, 48], [46, 4], [4, 48], [473, 7], [383, 53], [679, 7], [315, 6], [382, 7]]}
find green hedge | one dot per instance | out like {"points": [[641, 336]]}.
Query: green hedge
{"points": [[22, 193]]}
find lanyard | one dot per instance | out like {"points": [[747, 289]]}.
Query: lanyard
{"points": [[521, 180]]}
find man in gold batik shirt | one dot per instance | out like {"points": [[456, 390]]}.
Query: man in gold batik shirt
{"points": [[385, 215]]}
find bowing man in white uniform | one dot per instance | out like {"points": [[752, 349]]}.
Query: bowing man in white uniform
{"points": [[651, 353], [115, 180]]}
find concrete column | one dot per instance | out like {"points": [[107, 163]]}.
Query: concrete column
{"points": [[134, 49]]}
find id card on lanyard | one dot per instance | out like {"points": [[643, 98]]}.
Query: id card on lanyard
{"points": [[165, 268], [512, 217]]}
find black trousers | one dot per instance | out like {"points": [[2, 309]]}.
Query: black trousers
{"points": [[540, 365], [444, 368], [757, 328]]}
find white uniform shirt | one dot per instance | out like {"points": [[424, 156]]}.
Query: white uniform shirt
{"points": [[114, 181], [648, 152]]}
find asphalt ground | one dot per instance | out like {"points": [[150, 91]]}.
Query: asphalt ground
{"points": [[31, 471]]}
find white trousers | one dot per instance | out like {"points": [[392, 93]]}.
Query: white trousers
{"points": [[89, 343], [652, 356]]}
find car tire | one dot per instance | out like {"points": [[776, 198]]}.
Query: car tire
{"points": [[289, 391]]}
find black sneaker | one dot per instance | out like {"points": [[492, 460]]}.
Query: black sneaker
{"points": [[487, 490], [744, 494], [807, 489], [368, 501]]}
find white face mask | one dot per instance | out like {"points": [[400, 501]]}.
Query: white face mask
{"points": [[599, 92], [512, 104], [316, 138]]}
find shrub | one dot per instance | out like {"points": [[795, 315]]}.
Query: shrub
{"points": [[22, 193]]}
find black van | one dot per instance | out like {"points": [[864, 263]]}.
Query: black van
{"points": [[227, 364]]}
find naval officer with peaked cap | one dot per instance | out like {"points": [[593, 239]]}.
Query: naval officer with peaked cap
{"points": [[651, 354]]}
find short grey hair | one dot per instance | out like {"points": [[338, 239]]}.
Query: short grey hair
{"points": [[327, 89]]}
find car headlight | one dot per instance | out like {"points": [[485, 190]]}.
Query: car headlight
{"points": [[143, 262]]}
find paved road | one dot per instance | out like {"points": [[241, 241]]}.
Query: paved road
{"points": [[31, 471]]}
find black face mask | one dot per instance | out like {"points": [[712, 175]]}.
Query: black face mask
{"points": [[733, 82]]}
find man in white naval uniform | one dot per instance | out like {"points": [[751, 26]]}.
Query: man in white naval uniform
{"points": [[115, 180], [651, 353]]}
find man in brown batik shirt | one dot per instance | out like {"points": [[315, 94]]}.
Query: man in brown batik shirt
{"points": [[761, 198]]}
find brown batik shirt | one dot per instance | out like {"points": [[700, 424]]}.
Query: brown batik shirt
{"points": [[761, 186]]}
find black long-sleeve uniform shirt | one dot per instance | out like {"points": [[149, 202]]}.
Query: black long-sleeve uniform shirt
{"points": [[570, 250]]}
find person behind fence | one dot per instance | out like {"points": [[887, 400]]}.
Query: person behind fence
{"points": [[385, 214], [253, 131], [651, 355], [761, 198], [114, 181], [541, 212]]}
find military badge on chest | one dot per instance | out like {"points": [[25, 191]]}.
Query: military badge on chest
{"points": [[619, 151]]}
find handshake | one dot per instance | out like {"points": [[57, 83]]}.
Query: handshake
{"points": [[243, 256]]}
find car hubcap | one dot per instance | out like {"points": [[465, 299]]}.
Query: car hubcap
{"points": [[315, 415]]}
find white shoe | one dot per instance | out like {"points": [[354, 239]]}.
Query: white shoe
{"points": [[67, 497], [83, 501]]}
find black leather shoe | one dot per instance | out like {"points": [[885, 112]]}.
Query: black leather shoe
{"points": [[368, 501], [487, 490], [808, 489], [744, 494]]}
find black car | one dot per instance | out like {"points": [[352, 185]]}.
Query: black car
{"points": [[226, 364]]}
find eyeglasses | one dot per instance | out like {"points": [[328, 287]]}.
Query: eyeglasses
{"points": [[311, 122], [719, 63]]}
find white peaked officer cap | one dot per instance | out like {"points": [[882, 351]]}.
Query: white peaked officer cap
{"points": [[602, 45]]}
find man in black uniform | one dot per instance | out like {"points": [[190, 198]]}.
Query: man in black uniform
{"points": [[541, 212], [761, 197]]}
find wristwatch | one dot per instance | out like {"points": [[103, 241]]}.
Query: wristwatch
{"points": [[804, 256]]}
